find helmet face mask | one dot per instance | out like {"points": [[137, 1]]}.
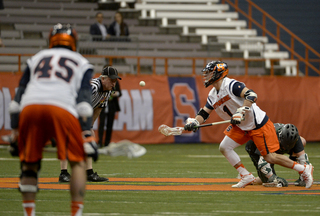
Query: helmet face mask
{"points": [[214, 71], [288, 137], [63, 36]]}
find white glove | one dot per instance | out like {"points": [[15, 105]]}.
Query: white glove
{"points": [[239, 115], [90, 146], [191, 125]]}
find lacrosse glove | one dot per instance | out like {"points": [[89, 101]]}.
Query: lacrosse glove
{"points": [[13, 140], [192, 125], [90, 146], [239, 115]]}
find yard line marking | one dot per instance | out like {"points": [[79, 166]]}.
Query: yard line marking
{"points": [[218, 184]]}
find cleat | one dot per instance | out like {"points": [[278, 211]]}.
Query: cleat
{"points": [[94, 177], [307, 175], [64, 177], [245, 180]]}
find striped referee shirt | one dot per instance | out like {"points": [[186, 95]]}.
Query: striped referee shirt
{"points": [[99, 97]]}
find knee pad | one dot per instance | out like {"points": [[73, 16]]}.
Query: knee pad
{"points": [[264, 167], [227, 144], [28, 188]]}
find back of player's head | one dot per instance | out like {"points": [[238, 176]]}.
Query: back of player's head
{"points": [[288, 137], [63, 36], [214, 71]]}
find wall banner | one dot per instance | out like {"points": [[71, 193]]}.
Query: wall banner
{"points": [[171, 100]]}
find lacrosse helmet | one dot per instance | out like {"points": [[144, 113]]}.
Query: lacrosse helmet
{"points": [[214, 71], [288, 136], [63, 36]]}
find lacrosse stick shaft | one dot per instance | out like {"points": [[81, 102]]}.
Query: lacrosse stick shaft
{"points": [[214, 123]]}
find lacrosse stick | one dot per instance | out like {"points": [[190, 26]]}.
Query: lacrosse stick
{"points": [[168, 131]]}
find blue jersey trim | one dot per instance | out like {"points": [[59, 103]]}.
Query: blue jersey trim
{"points": [[237, 88]]}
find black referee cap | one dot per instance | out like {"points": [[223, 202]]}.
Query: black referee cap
{"points": [[110, 72]]}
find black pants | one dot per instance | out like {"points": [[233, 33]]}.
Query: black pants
{"points": [[110, 119]]}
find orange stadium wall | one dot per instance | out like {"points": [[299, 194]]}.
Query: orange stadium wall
{"points": [[171, 100]]}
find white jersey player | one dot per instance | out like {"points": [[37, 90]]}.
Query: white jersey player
{"points": [[59, 69], [228, 94], [53, 92], [231, 99]]}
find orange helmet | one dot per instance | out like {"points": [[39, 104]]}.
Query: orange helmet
{"points": [[63, 36], [214, 71]]}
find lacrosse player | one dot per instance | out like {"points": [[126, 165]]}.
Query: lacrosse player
{"points": [[53, 93], [231, 99], [290, 143], [101, 91]]}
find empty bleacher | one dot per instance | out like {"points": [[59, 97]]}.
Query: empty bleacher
{"points": [[167, 28]]}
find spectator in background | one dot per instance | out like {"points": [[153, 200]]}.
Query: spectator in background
{"points": [[109, 112], [118, 28], [98, 30]]}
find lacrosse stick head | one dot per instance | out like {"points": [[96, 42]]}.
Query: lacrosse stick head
{"points": [[168, 131]]}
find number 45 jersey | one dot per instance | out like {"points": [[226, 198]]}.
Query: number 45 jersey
{"points": [[53, 77], [227, 100]]}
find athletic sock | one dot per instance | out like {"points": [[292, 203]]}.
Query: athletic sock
{"points": [[29, 208], [76, 208], [89, 172], [242, 170], [298, 167]]}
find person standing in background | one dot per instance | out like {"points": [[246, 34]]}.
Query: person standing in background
{"points": [[110, 112]]}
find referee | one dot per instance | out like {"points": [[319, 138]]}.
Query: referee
{"points": [[101, 90]]}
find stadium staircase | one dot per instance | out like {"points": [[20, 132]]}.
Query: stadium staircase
{"points": [[180, 29]]}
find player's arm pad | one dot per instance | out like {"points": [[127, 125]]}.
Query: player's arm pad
{"points": [[84, 108], [251, 96], [14, 107], [203, 114]]}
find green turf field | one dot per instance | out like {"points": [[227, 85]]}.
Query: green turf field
{"points": [[167, 161]]}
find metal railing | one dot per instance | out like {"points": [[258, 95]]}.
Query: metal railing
{"points": [[154, 67], [293, 38]]}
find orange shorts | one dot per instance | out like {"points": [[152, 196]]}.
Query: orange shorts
{"points": [[265, 138], [40, 123]]}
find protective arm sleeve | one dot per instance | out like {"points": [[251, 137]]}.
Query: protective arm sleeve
{"points": [[14, 105], [84, 97]]}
